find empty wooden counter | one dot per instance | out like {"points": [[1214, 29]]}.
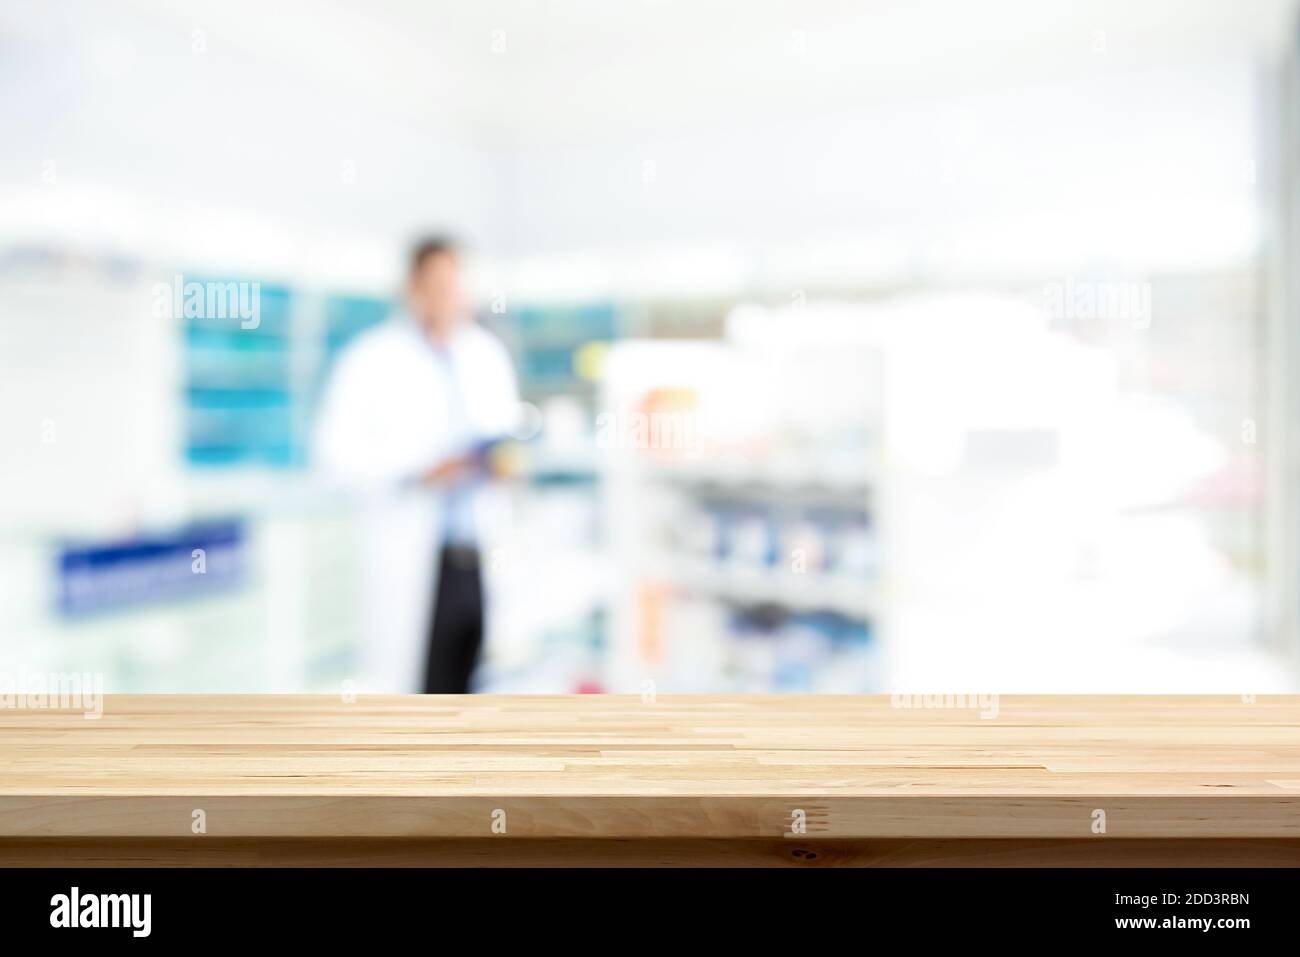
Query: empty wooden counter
{"points": [[803, 780]]}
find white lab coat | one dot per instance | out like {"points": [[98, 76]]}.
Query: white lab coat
{"points": [[383, 421]]}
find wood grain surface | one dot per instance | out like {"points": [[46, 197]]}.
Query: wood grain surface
{"points": [[615, 767]]}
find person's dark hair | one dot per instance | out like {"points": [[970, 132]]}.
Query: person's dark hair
{"points": [[432, 246]]}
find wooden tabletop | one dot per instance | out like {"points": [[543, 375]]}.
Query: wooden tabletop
{"points": [[677, 767]]}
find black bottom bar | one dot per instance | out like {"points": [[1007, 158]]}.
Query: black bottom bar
{"points": [[668, 908]]}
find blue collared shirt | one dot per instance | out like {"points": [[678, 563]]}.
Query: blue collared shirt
{"points": [[459, 527]]}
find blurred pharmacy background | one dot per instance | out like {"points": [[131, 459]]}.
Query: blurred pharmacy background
{"points": [[870, 346]]}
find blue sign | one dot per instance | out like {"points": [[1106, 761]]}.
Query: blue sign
{"points": [[196, 560]]}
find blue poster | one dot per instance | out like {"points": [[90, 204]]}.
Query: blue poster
{"points": [[196, 560]]}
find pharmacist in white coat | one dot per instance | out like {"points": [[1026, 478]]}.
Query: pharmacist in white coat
{"points": [[407, 417]]}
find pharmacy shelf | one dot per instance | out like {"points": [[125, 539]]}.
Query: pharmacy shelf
{"points": [[742, 585], [711, 532], [790, 483]]}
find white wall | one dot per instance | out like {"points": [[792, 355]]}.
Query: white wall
{"points": [[87, 404], [1140, 170], [127, 133]]}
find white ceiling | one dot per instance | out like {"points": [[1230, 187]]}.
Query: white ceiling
{"points": [[537, 70], [219, 128]]}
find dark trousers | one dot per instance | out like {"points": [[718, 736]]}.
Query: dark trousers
{"points": [[456, 627]]}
